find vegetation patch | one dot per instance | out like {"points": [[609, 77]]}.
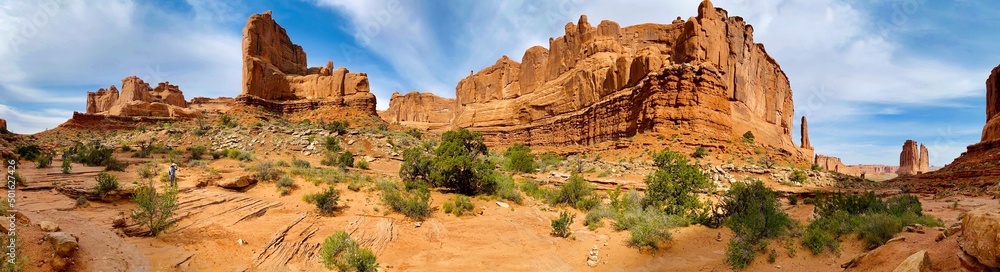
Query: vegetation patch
{"points": [[341, 252], [874, 220]]}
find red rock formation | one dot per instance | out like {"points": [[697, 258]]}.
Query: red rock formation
{"points": [[830, 163], [991, 131], [834, 164], [275, 75], [805, 134], [924, 163], [909, 159], [419, 107], [3, 125], [594, 84], [138, 99]]}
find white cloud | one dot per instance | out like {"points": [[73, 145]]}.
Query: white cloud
{"points": [[54, 51], [24, 122]]}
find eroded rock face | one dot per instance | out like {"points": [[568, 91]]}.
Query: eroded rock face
{"points": [[981, 235], [3, 125], [805, 134], [991, 131], [835, 164], [419, 107], [275, 74], [706, 74], [137, 99], [910, 160], [924, 165]]}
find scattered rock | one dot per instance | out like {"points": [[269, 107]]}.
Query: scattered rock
{"points": [[64, 244], [241, 242], [898, 238], [918, 262], [119, 221], [237, 182], [48, 226], [503, 205], [981, 235], [418, 224]]}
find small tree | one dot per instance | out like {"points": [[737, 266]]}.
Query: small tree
{"points": [[458, 163], [673, 185], [105, 184], [520, 159], [67, 166], [154, 210], [748, 137], [560, 226]]}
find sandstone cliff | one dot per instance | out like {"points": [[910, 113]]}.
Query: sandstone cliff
{"points": [[275, 75], [704, 75], [137, 99], [869, 170], [991, 131], [419, 107], [913, 159]]}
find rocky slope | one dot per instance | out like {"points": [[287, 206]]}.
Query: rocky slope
{"points": [[977, 170], [419, 107], [275, 75], [704, 76], [137, 99]]}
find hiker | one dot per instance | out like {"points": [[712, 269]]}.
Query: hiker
{"points": [[173, 174]]}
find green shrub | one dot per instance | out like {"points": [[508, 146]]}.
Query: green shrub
{"points": [[699, 153], [113, 164], [266, 171], [816, 167], [67, 166], [754, 215], [458, 164], [237, 154], [154, 210], [506, 189], [650, 232], [325, 201], [816, 239], [673, 185], [520, 159], [416, 164], [197, 151], [361, 164], [105, 183], [44, 161], [332, 144], [285, 185], [414, 133], [577, 192], [748, 137], [593, 218], [876, 229], [282, 163], [561, 225], [340, 127], [28, 152], [227, 121], [298, 163], [414, 204], [549, 160], [793, 199], [873, 219], [459, 205], [341, 252], [798, 176]]}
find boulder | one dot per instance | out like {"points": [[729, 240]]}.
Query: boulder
{"points": [[236, 183], [981, 235], [918, 262], [63, 244], [48, 226]]}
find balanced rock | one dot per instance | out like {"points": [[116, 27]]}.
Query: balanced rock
{"points": [[981, 235], [64, 244], [137, 99], [606, 82], [419, 107], [275, 75], [918, 262]]}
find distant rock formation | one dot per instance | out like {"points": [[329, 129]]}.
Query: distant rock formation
{"points": [[991, 131], [913, 159], [704, 75], [275, 75], [834, 164], [419, 107], [805, 134], [3, 126], [137, 99]]}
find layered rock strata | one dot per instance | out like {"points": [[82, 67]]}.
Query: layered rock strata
{"points": [[419, 107], [275, 75], [137, 99]]}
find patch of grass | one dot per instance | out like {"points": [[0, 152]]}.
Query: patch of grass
{"points": [[325, 201], [577, 192], [593, 218], [459, 205], [299, 163], [506, 189], [282, 163], [361, 164], [285, 185], [560, 226], [341, 252], [549, 160], [414, 204], [699, 153]]}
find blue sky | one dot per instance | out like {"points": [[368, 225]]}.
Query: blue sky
{"points": [[867, 74]]}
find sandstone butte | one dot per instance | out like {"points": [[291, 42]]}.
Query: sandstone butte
{"points": [[704, 76], [834, 164], [420, 108], [275, 75], [913, 159], [137, 99], [977, 167]]}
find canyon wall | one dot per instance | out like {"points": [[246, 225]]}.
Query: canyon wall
{"points": [[991, 131], [275, 75], [704, 75], [419, 107], [137, 99]]}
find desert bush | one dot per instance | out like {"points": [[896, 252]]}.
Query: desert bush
{"points": [[459, 205], [105, 183], [793, 199], [414, 133], [753, 213], [362, 164], [266, 171], [817, 240], [519, 159], [576, 192], [593, 218], [416, 164], [873, 219], [414, 204], [332, 144], [816, 167], [341, 252], [748, 137], [699, 153], [44, 161], [227, 121], [650, 232], [197, 151], [67, 166], [673, 185], [561, 225], [325, 201], [113, 164], [798, 176], [340, 127], [154, 210], [285, 185], [548, 160], [458, 164], [506, 189], [282, 163], [299, 163], [28, 152]]}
